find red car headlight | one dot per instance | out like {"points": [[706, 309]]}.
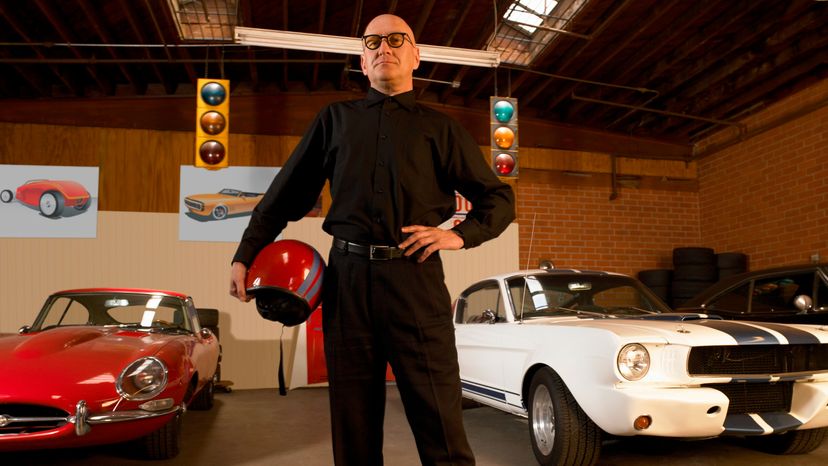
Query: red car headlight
{"points": [[143, 379]]}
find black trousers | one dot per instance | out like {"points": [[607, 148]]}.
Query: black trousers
{"points": [[399, 312]]}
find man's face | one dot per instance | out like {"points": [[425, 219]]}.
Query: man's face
{"points": [[390, 69]]}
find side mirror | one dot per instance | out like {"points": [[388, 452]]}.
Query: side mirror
{"points": [[804, 303], [489, 316], [24, 329]]}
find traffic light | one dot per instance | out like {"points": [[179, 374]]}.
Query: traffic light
{"points": [[212, 123], [503, 116]]}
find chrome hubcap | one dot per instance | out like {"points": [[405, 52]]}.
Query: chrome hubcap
{"points": [[543, 420]]}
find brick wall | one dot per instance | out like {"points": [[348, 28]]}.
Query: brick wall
{"points": [[765, 196], [577, 226], [768, 195]]}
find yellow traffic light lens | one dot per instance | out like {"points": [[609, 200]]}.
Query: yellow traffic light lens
{"points": [[212, 152], [504, 137], [212, 122], [503, 111], [504, 164], [213, 93]]}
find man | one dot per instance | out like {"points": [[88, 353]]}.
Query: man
{"points": [[393, 167]]}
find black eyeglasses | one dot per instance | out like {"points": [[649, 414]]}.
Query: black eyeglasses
{"points": [[395, 40]]}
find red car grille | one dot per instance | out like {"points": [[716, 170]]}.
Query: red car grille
{"points": [[26, 419]]}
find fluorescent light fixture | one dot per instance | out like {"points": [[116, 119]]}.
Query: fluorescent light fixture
{"points": [[353, 46]]}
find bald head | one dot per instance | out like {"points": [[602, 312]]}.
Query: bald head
{"points": [[390, 70]]}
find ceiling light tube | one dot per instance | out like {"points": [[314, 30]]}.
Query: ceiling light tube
{"points": [[353, 46]]}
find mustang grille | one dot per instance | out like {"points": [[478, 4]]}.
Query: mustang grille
{"points": [[38, 418], [757, 359], [754, 398], [197, 205]]}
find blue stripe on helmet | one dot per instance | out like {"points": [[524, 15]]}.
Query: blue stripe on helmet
{"points": [[742, 333], [309, 280]]}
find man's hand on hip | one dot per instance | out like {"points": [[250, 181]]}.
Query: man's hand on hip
{"points": [[428, 240]]}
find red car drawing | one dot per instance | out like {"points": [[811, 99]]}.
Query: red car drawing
{"points": [[50, 196], [105, 365]]}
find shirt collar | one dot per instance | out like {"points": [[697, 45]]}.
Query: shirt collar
{"points": [[406, 99]]}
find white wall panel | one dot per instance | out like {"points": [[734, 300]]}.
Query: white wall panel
{"points": [[141, 250]]}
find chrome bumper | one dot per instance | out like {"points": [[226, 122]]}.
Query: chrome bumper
{"points": [[83, 421]]}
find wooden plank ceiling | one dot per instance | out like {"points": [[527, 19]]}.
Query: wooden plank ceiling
{"points": [[662, 71]]}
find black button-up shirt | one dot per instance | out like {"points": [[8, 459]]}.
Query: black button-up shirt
{"points": [[391, 163]]}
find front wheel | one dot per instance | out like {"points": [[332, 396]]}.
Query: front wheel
{"points": [[219, 212], [793, 442], [51, 204], [560, 431], [163, 443]]}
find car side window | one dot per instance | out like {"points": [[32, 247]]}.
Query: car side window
{"points": [[71, 313], [737, 299], [821, 297], [778, 293], [478, 301]]}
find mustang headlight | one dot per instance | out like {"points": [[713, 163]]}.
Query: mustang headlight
{"points": [[633, 361], [143, 379]]}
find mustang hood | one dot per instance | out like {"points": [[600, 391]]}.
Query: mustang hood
{"points": [[700, 330], [70, 356]]}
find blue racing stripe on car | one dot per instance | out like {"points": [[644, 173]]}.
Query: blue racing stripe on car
{"points": [[781, 422], [742, 333], [484, 391], [742, 424], [794, 336]]}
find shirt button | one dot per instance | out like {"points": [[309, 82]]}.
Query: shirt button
{"points": [[380, 190], [382, 136], [381, 163], [378, 220]]}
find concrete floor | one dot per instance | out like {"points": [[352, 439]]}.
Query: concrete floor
{"points": [[259, 427]]}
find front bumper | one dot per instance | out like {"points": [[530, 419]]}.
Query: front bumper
{"points": [[84, 421], [700, 412]]}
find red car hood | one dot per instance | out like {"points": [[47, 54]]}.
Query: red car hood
{"points": [[61, 362]]}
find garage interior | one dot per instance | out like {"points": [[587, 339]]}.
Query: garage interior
{"points": [[644, 126]]}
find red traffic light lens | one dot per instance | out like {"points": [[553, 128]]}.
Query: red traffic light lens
{"points": [[504, 137], [504, 164], [213, 93], [212, 122], [211, 152], [503, 111]]}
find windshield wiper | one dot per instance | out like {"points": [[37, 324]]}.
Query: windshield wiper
{"points": [[645, 311], [588, 313]]}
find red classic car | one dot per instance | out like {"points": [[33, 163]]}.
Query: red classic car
{"points": [[102, 366], [50, 196]]}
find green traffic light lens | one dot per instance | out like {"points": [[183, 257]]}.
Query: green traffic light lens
{"points": [[212, 122], [213, 93], [503, 111]]}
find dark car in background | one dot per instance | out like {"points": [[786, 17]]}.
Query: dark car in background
{"points": [[792, 294]]}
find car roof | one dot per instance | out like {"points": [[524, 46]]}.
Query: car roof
{"points": [[727, 282], [123, 290], [521, 273]]}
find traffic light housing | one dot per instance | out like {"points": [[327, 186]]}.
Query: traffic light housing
{"points": [[503, 122], [212, 123]]}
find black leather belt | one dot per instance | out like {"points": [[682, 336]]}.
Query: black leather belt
{"points": [[372, 252]]}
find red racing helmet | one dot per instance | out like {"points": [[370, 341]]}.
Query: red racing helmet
{"points": [[286, 280]]}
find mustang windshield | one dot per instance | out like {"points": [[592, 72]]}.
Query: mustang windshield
{"points": [[588, 295], [117, 309]]}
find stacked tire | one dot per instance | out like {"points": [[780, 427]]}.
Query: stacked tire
{"points": [[694, 270], [731, 263], [659, 281]]}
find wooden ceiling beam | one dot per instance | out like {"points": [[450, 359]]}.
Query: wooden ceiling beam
{"points": [[169, 86], [139, 87]]}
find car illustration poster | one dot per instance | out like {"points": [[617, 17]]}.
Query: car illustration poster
{"points": [[48, 201], [216, 205]]}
